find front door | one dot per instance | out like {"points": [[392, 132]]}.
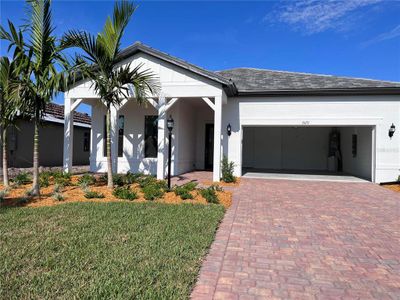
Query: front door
{"points": [[209, 150]]}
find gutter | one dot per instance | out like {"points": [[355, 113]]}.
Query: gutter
{"points": [[323, 92]]}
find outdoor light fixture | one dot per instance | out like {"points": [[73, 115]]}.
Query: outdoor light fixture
{"points": [[170, 126], [229, 129], [392, 129]]}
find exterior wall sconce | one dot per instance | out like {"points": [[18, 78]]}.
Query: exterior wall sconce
{"points": [[392, 129], [229, 129]]}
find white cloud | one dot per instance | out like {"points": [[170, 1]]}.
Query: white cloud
{"points": [[313, 16], [394, 33]]}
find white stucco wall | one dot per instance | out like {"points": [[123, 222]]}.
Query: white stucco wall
{"points": [[379, 111], [361, 164]]}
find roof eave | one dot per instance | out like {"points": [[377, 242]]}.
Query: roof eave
{"points": [[323, 92]]}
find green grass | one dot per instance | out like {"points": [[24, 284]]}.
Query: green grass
{"points": [[104, 250]]}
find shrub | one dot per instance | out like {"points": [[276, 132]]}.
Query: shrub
{"points": [[184, 190], [125, 193], [22, 178], [153, 191], [93, 194], [227, 170], [146, 180], [118, 179], [86, 180], [210, 194], [44, 179], [58, 196], [132, 177], [62, 178]]}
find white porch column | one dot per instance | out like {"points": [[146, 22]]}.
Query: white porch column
{"points": [[162, 116], [217, 138], [114, 138], [68, 135]]}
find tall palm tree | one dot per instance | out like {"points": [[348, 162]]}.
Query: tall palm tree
{"points": [[99, 64], [39, 58], [8, 106]]}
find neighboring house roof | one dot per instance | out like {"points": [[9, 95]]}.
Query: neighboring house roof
{"points": [[262, 81], [55, 112]]}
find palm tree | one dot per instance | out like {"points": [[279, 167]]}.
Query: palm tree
{"points": [[39, 59], [101, 54], [8, 106]]}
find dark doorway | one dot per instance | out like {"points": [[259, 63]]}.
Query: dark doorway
{"points": [[209, 147]]}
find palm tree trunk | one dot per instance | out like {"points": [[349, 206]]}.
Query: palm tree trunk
{"points": [[5, 159], [35, 188], [109, 161]]}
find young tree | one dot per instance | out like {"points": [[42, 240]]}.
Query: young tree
{"points": [[39, 60], [99, 64], [8, 106]]}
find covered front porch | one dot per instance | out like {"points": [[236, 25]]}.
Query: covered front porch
{"points": [[139, 136]]}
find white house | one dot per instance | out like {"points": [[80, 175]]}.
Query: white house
{"points": [[278, 121]]}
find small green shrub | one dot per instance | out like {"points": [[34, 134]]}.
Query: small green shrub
{"points": [[184, 190], [132, 177], [153, 191], [227, 170], [86, 180], [146, 180], [209, 194], [44, 179], [125, 192], [118, 179], [93, 194], [22, 178], [62, 178], [58, 196]]}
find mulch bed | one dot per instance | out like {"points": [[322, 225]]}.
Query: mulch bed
{"points": [[392, 186], [75, 193]]}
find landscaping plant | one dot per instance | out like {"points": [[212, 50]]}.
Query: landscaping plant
{"points": [[22, 178], [86, 180], [132, 177], [184, 190], [153, 191], [124, 192], [93, 194], [61, 178], [41, 68], [58, 196], [210, 194], [111, 82], [44, 179], [227, 170]]}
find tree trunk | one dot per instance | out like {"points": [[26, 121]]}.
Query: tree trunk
{"points": [[5, 159], [109, 161], [35, 188]]}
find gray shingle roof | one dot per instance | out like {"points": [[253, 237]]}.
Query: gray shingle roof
{"points": [[262, 80]]}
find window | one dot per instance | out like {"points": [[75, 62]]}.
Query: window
{"points": [[121, 125], [150, 136], [86, 141]]}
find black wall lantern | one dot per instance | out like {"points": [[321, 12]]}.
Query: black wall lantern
{"points": [[229, 129], [392, 129], [170, 126]]}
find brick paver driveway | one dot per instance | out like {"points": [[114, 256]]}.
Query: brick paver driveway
{"points": [[300, 239]]}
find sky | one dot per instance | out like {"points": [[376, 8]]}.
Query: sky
{"points": [[355, 38]]}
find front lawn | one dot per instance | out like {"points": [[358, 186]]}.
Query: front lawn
{"points": [[104, 250]]}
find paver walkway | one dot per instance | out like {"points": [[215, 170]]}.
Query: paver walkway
{"points": [[305, 240]]}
